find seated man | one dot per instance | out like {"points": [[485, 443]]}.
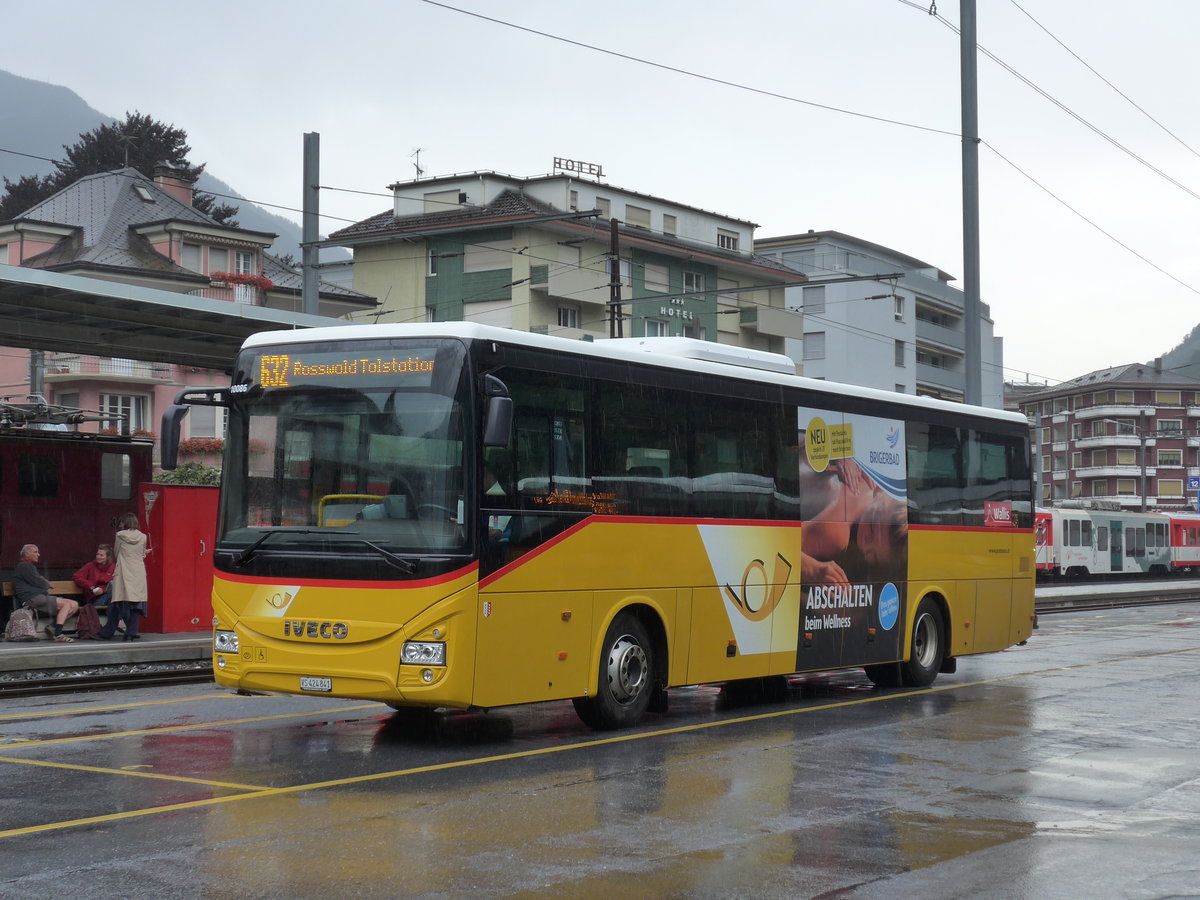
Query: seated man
{"points": [[93, 579], [33, 590]]}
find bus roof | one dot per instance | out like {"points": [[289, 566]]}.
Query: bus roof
{"points": [[667, 353]]}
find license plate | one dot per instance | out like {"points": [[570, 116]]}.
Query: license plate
{"points": [[313, 683]]}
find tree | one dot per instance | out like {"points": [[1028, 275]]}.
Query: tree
{"points": [[140, 142], [23, 193]]}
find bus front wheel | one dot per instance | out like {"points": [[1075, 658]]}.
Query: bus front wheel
{"points": [[626, 681], [928, 646]]}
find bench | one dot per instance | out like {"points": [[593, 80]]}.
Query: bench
{"points": [[57, 589]]}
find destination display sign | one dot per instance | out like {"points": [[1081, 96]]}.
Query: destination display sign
{"points": [[281, 370]]}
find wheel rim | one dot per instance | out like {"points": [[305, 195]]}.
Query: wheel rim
{"points": [[626, 669], [925, 641]]}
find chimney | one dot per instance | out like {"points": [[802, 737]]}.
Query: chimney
{"points": [[1158, 364], [173, 181]]}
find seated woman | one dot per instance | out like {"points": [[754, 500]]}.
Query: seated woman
{"points": [[96, 575]]}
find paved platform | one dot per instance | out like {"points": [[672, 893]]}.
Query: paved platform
{"points": [[45, 655]]}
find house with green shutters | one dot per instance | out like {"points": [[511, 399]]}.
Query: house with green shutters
{"points": [[536, 254]]}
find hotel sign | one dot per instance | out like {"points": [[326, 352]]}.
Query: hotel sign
{"points": [[579, 167]]}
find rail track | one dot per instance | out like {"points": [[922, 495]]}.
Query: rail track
{"points": [[1083, 596], [97, 678]]}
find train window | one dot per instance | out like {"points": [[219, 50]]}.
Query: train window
{"points": [[1087, 534], [1102, 538], [116, 476], [37, 475], [1135, 542], [1072, 533]]}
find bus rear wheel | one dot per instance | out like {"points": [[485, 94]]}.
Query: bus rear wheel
{"points": [[928, 646], [626, 682]]}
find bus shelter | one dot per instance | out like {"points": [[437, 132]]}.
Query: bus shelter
{"points": [[42, 310]]}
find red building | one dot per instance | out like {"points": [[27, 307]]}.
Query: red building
{"points": [[1129, 434]]}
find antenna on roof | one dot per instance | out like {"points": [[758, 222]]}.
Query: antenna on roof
{"points": [[416, 158]]}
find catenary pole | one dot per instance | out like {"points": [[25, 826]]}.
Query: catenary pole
{"points": [[616, 327], [973, 358], [309, 254]]}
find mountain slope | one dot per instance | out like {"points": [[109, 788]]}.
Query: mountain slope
{"points": [[38, 119]]}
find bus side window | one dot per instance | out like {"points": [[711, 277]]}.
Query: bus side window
{"points": [[641, 456], [734, 445], [937, 479]]}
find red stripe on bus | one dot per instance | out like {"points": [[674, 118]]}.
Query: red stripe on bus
{"points": [[626, 520], [978, 529], [343, 583]]}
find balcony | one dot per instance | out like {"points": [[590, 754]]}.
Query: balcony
{"points": [[581, 285], [76, 367], [774, 322], [1118, 471], [938, 335], [939, 376], [1111, 411], [231, 293], [1110, 440]]}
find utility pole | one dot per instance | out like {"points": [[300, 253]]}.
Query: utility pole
{"points": [[973, 359], [311, 232], [616, 327], [37, 373]]}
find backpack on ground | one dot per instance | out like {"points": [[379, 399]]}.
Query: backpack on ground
{"points": [[22, 625], [88, 622]]}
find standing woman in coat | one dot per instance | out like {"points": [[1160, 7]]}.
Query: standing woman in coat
{"points": [[129, 596]]}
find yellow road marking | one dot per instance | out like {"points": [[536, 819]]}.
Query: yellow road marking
{"points": [[540, 751], [22, 745], [105, 771], [74, 711]]}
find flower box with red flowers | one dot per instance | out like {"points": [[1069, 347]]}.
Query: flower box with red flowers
{"points": [[262, 282]]}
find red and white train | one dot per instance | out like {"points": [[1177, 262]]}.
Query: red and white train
{"points": [[1077, 542]]}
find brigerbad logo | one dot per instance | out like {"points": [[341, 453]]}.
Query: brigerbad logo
{"points": [[893, 437]]}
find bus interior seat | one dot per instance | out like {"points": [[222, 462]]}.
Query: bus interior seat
{"points": [[392, 506]]}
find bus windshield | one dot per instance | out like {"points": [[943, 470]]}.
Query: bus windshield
{"points": [[354, 452]]}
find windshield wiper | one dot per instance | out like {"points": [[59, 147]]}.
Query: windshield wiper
{"points": [[243, 556], [247, 553], [407, 566]]}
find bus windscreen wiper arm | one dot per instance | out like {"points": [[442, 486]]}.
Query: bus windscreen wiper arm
{"points": [[244, 555], [406, 566]]}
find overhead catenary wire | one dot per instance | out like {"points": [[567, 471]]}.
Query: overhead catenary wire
{"points": [[766, 93]]}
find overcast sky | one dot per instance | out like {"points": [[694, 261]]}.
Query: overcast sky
{"points": [[1107, 273]]}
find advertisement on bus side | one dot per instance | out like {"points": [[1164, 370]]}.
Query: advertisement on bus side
{"points": [[854, 538]]}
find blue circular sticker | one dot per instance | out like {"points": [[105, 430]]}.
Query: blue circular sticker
{"points": [[889, 606]]}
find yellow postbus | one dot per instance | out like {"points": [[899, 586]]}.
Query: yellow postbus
{"points": [[455, 515]]}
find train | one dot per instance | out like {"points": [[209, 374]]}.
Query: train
{"points": [[1078, 542], [61, 488]]}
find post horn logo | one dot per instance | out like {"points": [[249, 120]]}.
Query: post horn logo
{"points": [[771, 590]]}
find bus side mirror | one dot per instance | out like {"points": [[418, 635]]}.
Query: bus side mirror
{"points": [[169, 447], [497, 423]]}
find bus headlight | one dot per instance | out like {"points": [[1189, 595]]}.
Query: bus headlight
{"points": [[423, 653], [225, 641]]}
